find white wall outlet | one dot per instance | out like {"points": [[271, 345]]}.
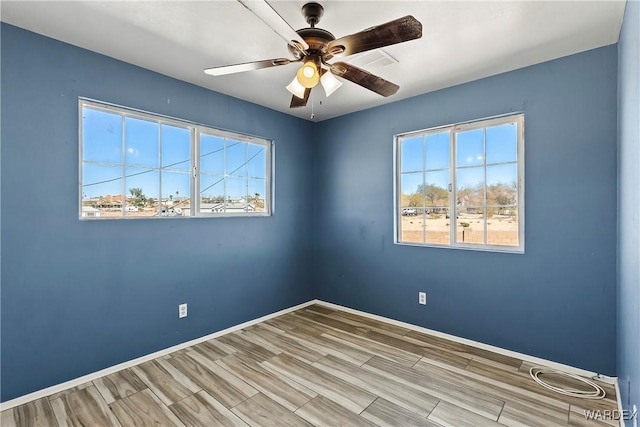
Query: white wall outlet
{"points": [[182, 310], [422, 298]]}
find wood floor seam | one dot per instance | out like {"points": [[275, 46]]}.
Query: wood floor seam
{"points": [[365, 408], [365, 362]]}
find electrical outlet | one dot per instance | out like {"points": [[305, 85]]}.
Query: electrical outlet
{"points": [[182, 310], [422, 298]]}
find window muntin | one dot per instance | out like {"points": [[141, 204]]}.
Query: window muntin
{"points": [[136, 164], [462, 185]]}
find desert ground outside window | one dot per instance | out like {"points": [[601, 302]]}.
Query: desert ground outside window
{"points": [[136, 164], [462, 185]]}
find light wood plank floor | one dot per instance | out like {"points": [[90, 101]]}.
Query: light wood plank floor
{"points": [[316, 367]]}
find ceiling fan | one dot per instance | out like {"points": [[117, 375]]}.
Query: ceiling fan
{"points": [[315, 48]]}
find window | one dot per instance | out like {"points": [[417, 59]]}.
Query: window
{"points": [[136, 164], [462, 185]]}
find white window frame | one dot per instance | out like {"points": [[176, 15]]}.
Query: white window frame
{"points": [[453, 129], [195, 130]]}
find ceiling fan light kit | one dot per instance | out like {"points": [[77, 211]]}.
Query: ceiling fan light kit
{"points": [[330, 83], [307, 78], [308, 75], [316, 47], [296, 88]]}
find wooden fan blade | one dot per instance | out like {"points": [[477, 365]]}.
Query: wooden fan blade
{"points": [[247, 66], [297, 102], [269, 16], [397, 31], [364, 79]]}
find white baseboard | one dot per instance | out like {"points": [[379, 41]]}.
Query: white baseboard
{"points": [[619, 400], [514, 354], [110, 370], [95, 375]]}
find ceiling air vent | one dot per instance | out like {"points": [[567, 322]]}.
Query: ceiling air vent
{"points": [[373, 59]]}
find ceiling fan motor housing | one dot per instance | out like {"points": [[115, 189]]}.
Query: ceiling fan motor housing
{"points": [[316, 38], [312, 13]]}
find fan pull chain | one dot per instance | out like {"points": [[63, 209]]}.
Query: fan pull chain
{"points": [[312, 113]]}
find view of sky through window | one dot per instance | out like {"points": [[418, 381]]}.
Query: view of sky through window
{"points": [[133, 166]]}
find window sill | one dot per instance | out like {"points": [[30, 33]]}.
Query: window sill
{"points": [[498, 249]]}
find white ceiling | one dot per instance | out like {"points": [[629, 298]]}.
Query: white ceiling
{"points": [[462, 40]]}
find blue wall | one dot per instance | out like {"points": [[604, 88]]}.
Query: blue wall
{"points": [[629, 207], [558, 300], [81, 296]]}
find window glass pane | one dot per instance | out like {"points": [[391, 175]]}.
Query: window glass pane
{"points": [[236, 193], [502, 226], [470, 225], [469, 148], [176, 148], [212, 195], [437, 226], [502, 143], [101, 191], [142, 192], [211, 154], [412, 156], [411, 208], [470, 187], [437, 151], [436, 188], [502, 185], [141, 142], [412, 224], [174, 184], [236, 158], [410, 189], [257, 161], [101, 136], [257, 195]]}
